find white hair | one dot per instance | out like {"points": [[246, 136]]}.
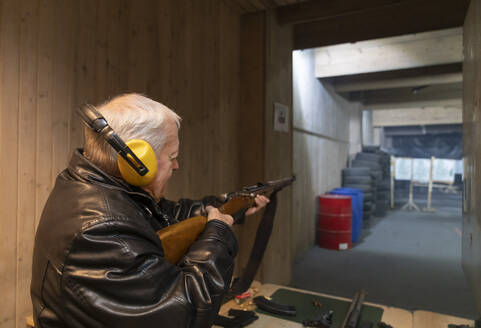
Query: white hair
{"points": [[131, 116]]}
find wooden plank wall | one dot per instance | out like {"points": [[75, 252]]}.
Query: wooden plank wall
{"points": [[251, 121], [278, 147], [57, 54], [471, 249], [266, 78]]}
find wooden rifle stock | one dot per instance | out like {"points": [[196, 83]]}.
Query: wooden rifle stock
{"points": [[177, 238]]}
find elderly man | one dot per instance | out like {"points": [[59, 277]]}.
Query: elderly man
{"points": [[97, 259]]}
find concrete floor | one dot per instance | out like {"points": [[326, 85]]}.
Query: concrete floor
{"points": [[407, 259]]}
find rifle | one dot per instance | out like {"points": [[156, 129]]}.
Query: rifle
{"points": [[177, 238], [351, 319]]}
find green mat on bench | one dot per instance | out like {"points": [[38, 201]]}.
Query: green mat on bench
{"points": [[307, 311]]}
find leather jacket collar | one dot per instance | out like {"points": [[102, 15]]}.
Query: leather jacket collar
{"points": [[84, 170], [80, 168]]}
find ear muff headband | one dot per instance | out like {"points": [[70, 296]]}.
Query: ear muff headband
{"points": [[136, 158]]}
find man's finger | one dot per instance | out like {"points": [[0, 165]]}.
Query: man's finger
{"points": [[208, 208], [261, 201], [264, 198]]}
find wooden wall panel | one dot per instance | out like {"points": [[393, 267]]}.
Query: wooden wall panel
{"points": [[229, 96], [142, 47], [165, 37], [85, 75], [116, 23], [63, 76], [58, 54], [197, 29], [251, 120], [26, 152], [278, 147], [100, 51], [266, 78], [9, 86], [44, 141]]}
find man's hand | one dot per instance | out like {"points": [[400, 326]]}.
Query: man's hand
{"points": [[214, 214], [261, 202]]}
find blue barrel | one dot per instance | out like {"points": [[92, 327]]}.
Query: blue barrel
{"points": [[357, 206]]}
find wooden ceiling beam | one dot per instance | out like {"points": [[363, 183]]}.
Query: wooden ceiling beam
{"points": [[437, 95], [405, 17], [257, 4], [314, 10], [270, 3], [417, 116], [394, 53], [249, 6], [414, 77], [245, 5]]}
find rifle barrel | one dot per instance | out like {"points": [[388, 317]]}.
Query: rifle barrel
{"points": [[281, 183], [259, 188]]}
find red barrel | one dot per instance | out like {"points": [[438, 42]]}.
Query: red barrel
{"points": [[335, 222]]}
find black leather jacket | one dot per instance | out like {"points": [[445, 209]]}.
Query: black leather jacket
{"points": [[98, 263]]}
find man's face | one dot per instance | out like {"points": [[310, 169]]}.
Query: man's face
{"points": [[166, 165]]}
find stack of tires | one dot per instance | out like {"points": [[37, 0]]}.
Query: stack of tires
{"points": [[370, 171], [373, 161], [361, 178], [384, 185], [385, 159]]}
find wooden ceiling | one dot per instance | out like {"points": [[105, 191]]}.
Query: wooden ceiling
{"points": [[320, 23], [248, 6]]}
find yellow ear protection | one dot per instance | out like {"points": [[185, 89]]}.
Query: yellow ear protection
{"points": [[135, 158]]}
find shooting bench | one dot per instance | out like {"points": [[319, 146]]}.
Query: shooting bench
{"points": [[396, 317]]}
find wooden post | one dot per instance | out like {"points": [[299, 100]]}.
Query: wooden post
{"points": [[430, 187], [393, 172], [411, 184], [410, 204]]}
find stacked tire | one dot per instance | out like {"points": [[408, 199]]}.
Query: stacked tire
{"points": [[361, 178], [370, 171], [373, 161], [384, 185], [383, 198], [385, 159]]}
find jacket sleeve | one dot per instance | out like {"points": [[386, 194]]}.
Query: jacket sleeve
{"points": [[186, 208], [115, 276]]}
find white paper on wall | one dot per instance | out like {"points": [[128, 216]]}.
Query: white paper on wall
{"points": [[403, 168], [281, 117], [421, 168], [443, 170]]}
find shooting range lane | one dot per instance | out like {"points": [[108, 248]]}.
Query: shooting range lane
{"points": [[407, 259]]}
